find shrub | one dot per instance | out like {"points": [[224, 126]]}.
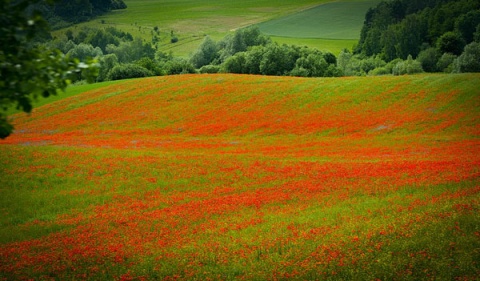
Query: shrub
{"points": [[278, 60], [149, 64], [210, 69], [84, 51], [314, 65], [445, 62], [379, 71], [162, 56], [409, 66], [205, 54], [130, 51], [469, 60], [107, 63], [235, 64], [300, 72], [333, 71], [178, 66], [392, 64], [450, 42], [428, 59], [240, 41], [343, 61], [125, 71]]}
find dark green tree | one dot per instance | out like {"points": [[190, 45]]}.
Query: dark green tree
{"points": [[445, 62], [205, 54], [253, 58], [107, 63], [450, 42], [277, 60], [84, 52], [126, 71], [429, 59], [412, 33], [469, 61], [476, 35], [397, 28], [240, 41], [100, 38], [314, 65], [235, 63], [344, 60], [28, 70], [372, 44], [467, 24], [178, 66], [101, 5], [78, 10], [73, 11]]}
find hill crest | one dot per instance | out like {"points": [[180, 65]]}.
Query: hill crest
{"points": [[234, 112]]}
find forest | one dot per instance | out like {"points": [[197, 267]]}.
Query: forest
{"points": [[64, 13]]}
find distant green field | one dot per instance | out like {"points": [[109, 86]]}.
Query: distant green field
{"points": [[191, 20], [336, 20]]}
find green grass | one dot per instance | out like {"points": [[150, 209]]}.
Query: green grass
{"points": [[336, 20], [70, 91], [191, 20]]}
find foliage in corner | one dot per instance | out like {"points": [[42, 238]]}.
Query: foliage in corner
{"points": [[29, 70]]}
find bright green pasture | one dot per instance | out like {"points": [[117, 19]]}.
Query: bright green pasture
{"points": [[191, 20], [336, 20]]}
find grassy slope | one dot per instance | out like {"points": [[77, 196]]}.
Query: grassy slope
{"points": [[192, 20], [72, 90], [230, 176], [337, 20]]}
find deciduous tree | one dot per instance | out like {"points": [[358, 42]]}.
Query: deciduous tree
{"points": [[28, 70]]}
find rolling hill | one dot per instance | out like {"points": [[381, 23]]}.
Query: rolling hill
{"points": [[251, 107], [191, 20], [334, 20], [229, 177]]}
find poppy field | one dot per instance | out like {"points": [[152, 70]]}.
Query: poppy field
{"points": [[237, 177]]}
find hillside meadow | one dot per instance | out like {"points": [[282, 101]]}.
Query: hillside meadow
{"points": [[334, 20], [191, 20], [236, 177]]}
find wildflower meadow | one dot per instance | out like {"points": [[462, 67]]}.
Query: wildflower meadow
{"points": [[238, 177]]}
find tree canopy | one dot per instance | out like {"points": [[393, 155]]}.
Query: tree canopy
{"points": [[63, 12], [399, 28], [29, 70]]}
